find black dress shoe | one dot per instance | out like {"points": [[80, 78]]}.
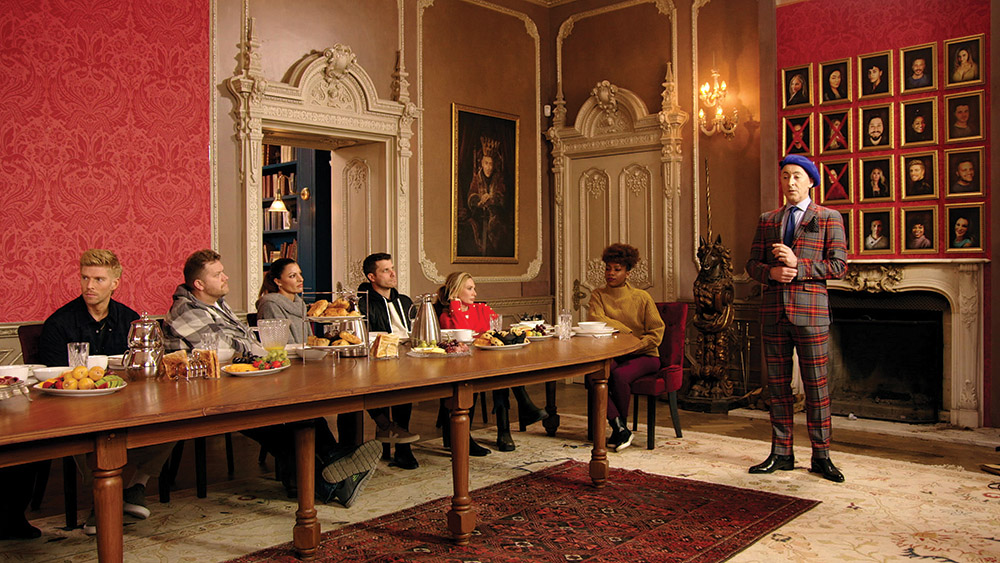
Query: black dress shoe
{"points": [[404, 459], [827, 469], [775, 462], [475, 450]]}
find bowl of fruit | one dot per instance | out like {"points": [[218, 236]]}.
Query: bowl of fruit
{"points": [[78, 382]]}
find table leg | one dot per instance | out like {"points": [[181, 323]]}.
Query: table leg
{"points": [[598, 425], [551, 424], [305, 534], [106, 463], [461, 517]]}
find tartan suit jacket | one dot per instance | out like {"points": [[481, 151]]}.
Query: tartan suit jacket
{"points": [[821, 249]]}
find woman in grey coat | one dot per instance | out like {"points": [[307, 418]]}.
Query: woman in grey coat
{"points": [[279, 297]]}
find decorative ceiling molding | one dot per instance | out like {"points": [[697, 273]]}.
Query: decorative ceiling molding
{"points": [[428, 266]]}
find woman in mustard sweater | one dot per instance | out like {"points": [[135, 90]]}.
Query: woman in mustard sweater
{"points": [[631, 311]]}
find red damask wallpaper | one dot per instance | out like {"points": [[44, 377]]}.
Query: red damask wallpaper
{"points": [[814, 39], [104, 142]]}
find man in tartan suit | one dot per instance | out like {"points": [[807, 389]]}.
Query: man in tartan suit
{"points": [[797, 248]]}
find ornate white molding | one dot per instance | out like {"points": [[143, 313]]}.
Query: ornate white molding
{"points": [[961, 283], [696, 6], [327, 95], [213, 141], [428, 266]]}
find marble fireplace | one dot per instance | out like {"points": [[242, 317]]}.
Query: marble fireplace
{"points": [[959, 283]]}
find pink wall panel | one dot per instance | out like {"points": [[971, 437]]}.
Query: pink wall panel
{"points": [[104, 136]]}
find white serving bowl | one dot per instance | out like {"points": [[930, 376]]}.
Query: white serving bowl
{"points": [[460, 334], [311, 354], [19, 371], [592, 326], [116, 361], [99, 360], [41, 374]]}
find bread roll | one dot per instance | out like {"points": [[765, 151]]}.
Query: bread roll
{"points": [[318, 308], [341, 303], [316, 341], [349, 337], [332, 311]]}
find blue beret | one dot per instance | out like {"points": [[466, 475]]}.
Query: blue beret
{"points": [[805, 163]]}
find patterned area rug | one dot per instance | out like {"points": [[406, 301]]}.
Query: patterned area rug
{"points": [[555, 514]]}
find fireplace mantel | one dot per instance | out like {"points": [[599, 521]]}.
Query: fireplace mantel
{"points": [[960, 281]]}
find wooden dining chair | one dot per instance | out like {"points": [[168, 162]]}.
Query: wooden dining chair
{"points": [[29, 336]]}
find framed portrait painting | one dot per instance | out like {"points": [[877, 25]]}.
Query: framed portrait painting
{"points": [[965, 224], [875, 128], [919, 230], [797, 137], [964, 57], [875, 229], [919, 122], [836, 183], [835, 81], [876, 179], [797, 86], [836, 132], [875, 75], [919, 175], [484, 190], [964, 172], [917, 68], [965, 116], [846, 216]]}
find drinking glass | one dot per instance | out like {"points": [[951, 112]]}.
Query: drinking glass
{"points": [[496, 322], [78, 352], [565, 327]]}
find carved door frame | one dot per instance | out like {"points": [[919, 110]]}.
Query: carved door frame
{"points": [[328, 97]]}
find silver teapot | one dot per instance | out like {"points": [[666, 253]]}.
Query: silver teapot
{"points": [[145, 347], [425, 327]]}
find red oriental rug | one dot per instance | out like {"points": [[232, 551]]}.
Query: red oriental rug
{"points": [[556, 515]]}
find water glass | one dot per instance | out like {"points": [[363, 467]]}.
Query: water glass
{"points": [[78, 353], [565, 327], [496, 322]]}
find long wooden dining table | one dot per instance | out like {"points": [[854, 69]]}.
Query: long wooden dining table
{"points": [[149, 412]]}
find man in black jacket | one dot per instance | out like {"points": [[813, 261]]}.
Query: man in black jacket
{"points": [[388, 311]]}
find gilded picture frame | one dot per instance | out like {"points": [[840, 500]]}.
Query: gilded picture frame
{"points": [[959, 73], [964, 117], [796, 86], [918, 173], [837, 187], [835, 131], [835, 84], [484, 186], [797, 134], [918, 68], [963, 172], [918, 230], [867, 116], [871, 242], [918, 122], [876, 179], [967, 237], [875, 75]]}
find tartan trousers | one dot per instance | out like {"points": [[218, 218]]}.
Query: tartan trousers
{"points": [[811, 343]]}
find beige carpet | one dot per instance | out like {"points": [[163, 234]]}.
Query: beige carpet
{"points": [[886, 511]]}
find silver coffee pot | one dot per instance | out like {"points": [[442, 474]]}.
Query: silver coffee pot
{"points": [[145, 347], [425, 328]]}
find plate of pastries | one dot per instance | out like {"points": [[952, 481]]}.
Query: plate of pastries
{"points": [[343, 339], [338, 309]]}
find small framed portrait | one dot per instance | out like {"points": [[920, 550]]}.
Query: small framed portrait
{"points": [[836, 132], [836, 182], [917, 68], [875, 128], [964, 57], [846, 215], [919, 175], [876, 178], [797, 137], [919, 230], [919, 122], [964, 172], [875, 229], [797, 86], [965, 116], [965, 227], [835, 81], [875, 75]]}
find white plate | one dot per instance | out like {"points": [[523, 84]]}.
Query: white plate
{"points": [[542, 337], [422, 354], [79, 392], [329, 348], [254, 373], [505, 347], [603, 332], [331, 319]]}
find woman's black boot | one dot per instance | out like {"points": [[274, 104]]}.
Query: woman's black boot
{"points": [[527, 412], [504, 442]]}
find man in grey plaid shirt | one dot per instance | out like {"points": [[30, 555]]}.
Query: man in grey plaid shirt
{"points": [[199, 309]]}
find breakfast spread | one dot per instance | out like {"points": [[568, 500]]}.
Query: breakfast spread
{"points": [[514, 336], [84, 379]]}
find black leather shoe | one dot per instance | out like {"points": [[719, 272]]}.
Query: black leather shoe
{"points": [[475, 450], [827, 469], [404, 459], [775, 462]]}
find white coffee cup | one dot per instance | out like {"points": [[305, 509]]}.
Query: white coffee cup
{"points": [[99, 360], [19, 371]]}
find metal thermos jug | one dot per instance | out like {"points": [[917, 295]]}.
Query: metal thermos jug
{"points": [[145, 348], [425, 328]]}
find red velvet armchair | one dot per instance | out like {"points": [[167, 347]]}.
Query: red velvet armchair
{"points": [[669, 378]]}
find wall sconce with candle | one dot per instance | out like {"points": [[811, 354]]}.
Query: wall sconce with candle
{"points": [[713, 96]]}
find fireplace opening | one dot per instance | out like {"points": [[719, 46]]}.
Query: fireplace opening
{"points": [[887, 355]]}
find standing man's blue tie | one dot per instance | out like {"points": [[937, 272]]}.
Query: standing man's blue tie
{"points": [[790, 226]]}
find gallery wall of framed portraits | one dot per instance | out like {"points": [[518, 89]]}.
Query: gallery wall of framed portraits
{"points": [[896, 119]]}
